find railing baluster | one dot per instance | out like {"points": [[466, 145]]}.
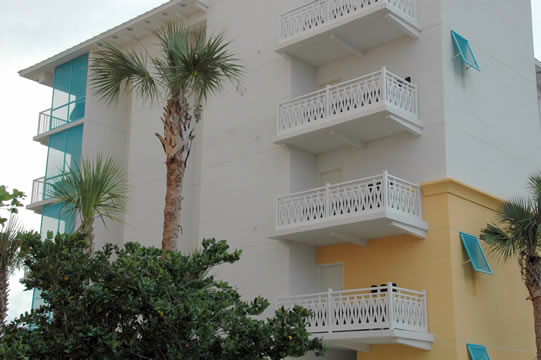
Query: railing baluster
{"points": [[345, 98], [318, 12], [330, 310]]}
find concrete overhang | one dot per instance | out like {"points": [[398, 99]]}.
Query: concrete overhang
{"points": [[124, 34]]}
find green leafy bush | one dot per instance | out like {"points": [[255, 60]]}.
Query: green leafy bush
{"points": [[137, 302]]}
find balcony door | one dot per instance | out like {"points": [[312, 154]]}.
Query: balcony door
{"points": [[330, 177], [331, 276]]}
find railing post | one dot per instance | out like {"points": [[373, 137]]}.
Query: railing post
{"points": [[330, 308], [327, 200], [390, 303], [327, 101], [425, 314], [279, 119], [384, 84], [328, 10], [277, 214], [419, 205], [39, 123], [385, 189]]}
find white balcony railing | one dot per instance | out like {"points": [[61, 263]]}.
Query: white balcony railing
{"points": [[352, 198], [317, 13], [48, 122], [42, 189], [376, 308], [51, 119], [348, 98], [37, 190]]}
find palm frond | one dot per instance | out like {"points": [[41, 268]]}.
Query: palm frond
{"points": [[93, 190], [193, 63], [10, 243], [113, 71], [534, 185], [519, 219], [499, 242]]}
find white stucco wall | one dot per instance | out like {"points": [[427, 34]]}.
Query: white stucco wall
{"points": [[479, 127], [493, 139]]}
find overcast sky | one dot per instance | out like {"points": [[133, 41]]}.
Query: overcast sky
{"points": [[33, 30]]}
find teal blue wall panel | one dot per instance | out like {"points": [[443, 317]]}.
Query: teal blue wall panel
{"points": [[69, 91]]}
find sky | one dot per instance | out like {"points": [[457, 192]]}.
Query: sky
{"points": [[31, 31]]}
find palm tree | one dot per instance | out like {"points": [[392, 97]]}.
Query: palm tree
{"points": [[92, 190], [10, 260], [519, 237], [187, 70]]}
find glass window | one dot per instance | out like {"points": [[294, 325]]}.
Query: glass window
{"points": [[69, 91], [73, 147], [64, 153], [61, 85], [55, 156], [78, 78]]}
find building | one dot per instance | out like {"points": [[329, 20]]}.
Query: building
{"points": [[365, 149]]}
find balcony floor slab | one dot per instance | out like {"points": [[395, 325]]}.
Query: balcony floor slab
{"points": [[376, 122], [38, 206], [361, 340], [43, 138], [362, 31], [355, 229]]}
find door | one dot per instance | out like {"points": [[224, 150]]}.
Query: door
{"points": [[331, 276]]}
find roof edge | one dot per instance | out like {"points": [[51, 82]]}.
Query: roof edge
{"points": [[41, 73]]}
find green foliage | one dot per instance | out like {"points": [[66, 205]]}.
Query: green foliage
{"points": [[519, 232], [95, 189], [145, 303], [10, 202], [10, 242]]}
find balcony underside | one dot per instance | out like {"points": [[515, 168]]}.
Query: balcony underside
{"points": [[353, 229], [352, 35], [37, 207], [43, 138], [356, 130], [361, 340]]}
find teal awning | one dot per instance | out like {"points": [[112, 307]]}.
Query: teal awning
{"points": [[475, 252], [465, 51], [478, 352]]}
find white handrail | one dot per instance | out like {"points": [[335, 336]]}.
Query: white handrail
{"points": [[356, 197], [352, 96], [375, 308], [314, 14], [37, 190]]}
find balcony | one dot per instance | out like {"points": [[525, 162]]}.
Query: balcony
{"points": [[322, 31], [354, 211], [39, 196], [61, 118], [351, 113], [355, 319]]}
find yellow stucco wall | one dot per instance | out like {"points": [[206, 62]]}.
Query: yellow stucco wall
{"points": [[463, 306]]}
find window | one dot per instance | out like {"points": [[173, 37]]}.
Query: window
{"points": [[58, 219], [478, 352], [465, 51], [475, 253], [69, 90], [64, 151]]}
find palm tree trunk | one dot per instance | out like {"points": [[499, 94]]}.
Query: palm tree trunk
{"points": [[173, 199], [536, 301], [174, 115], [4, 291]]}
